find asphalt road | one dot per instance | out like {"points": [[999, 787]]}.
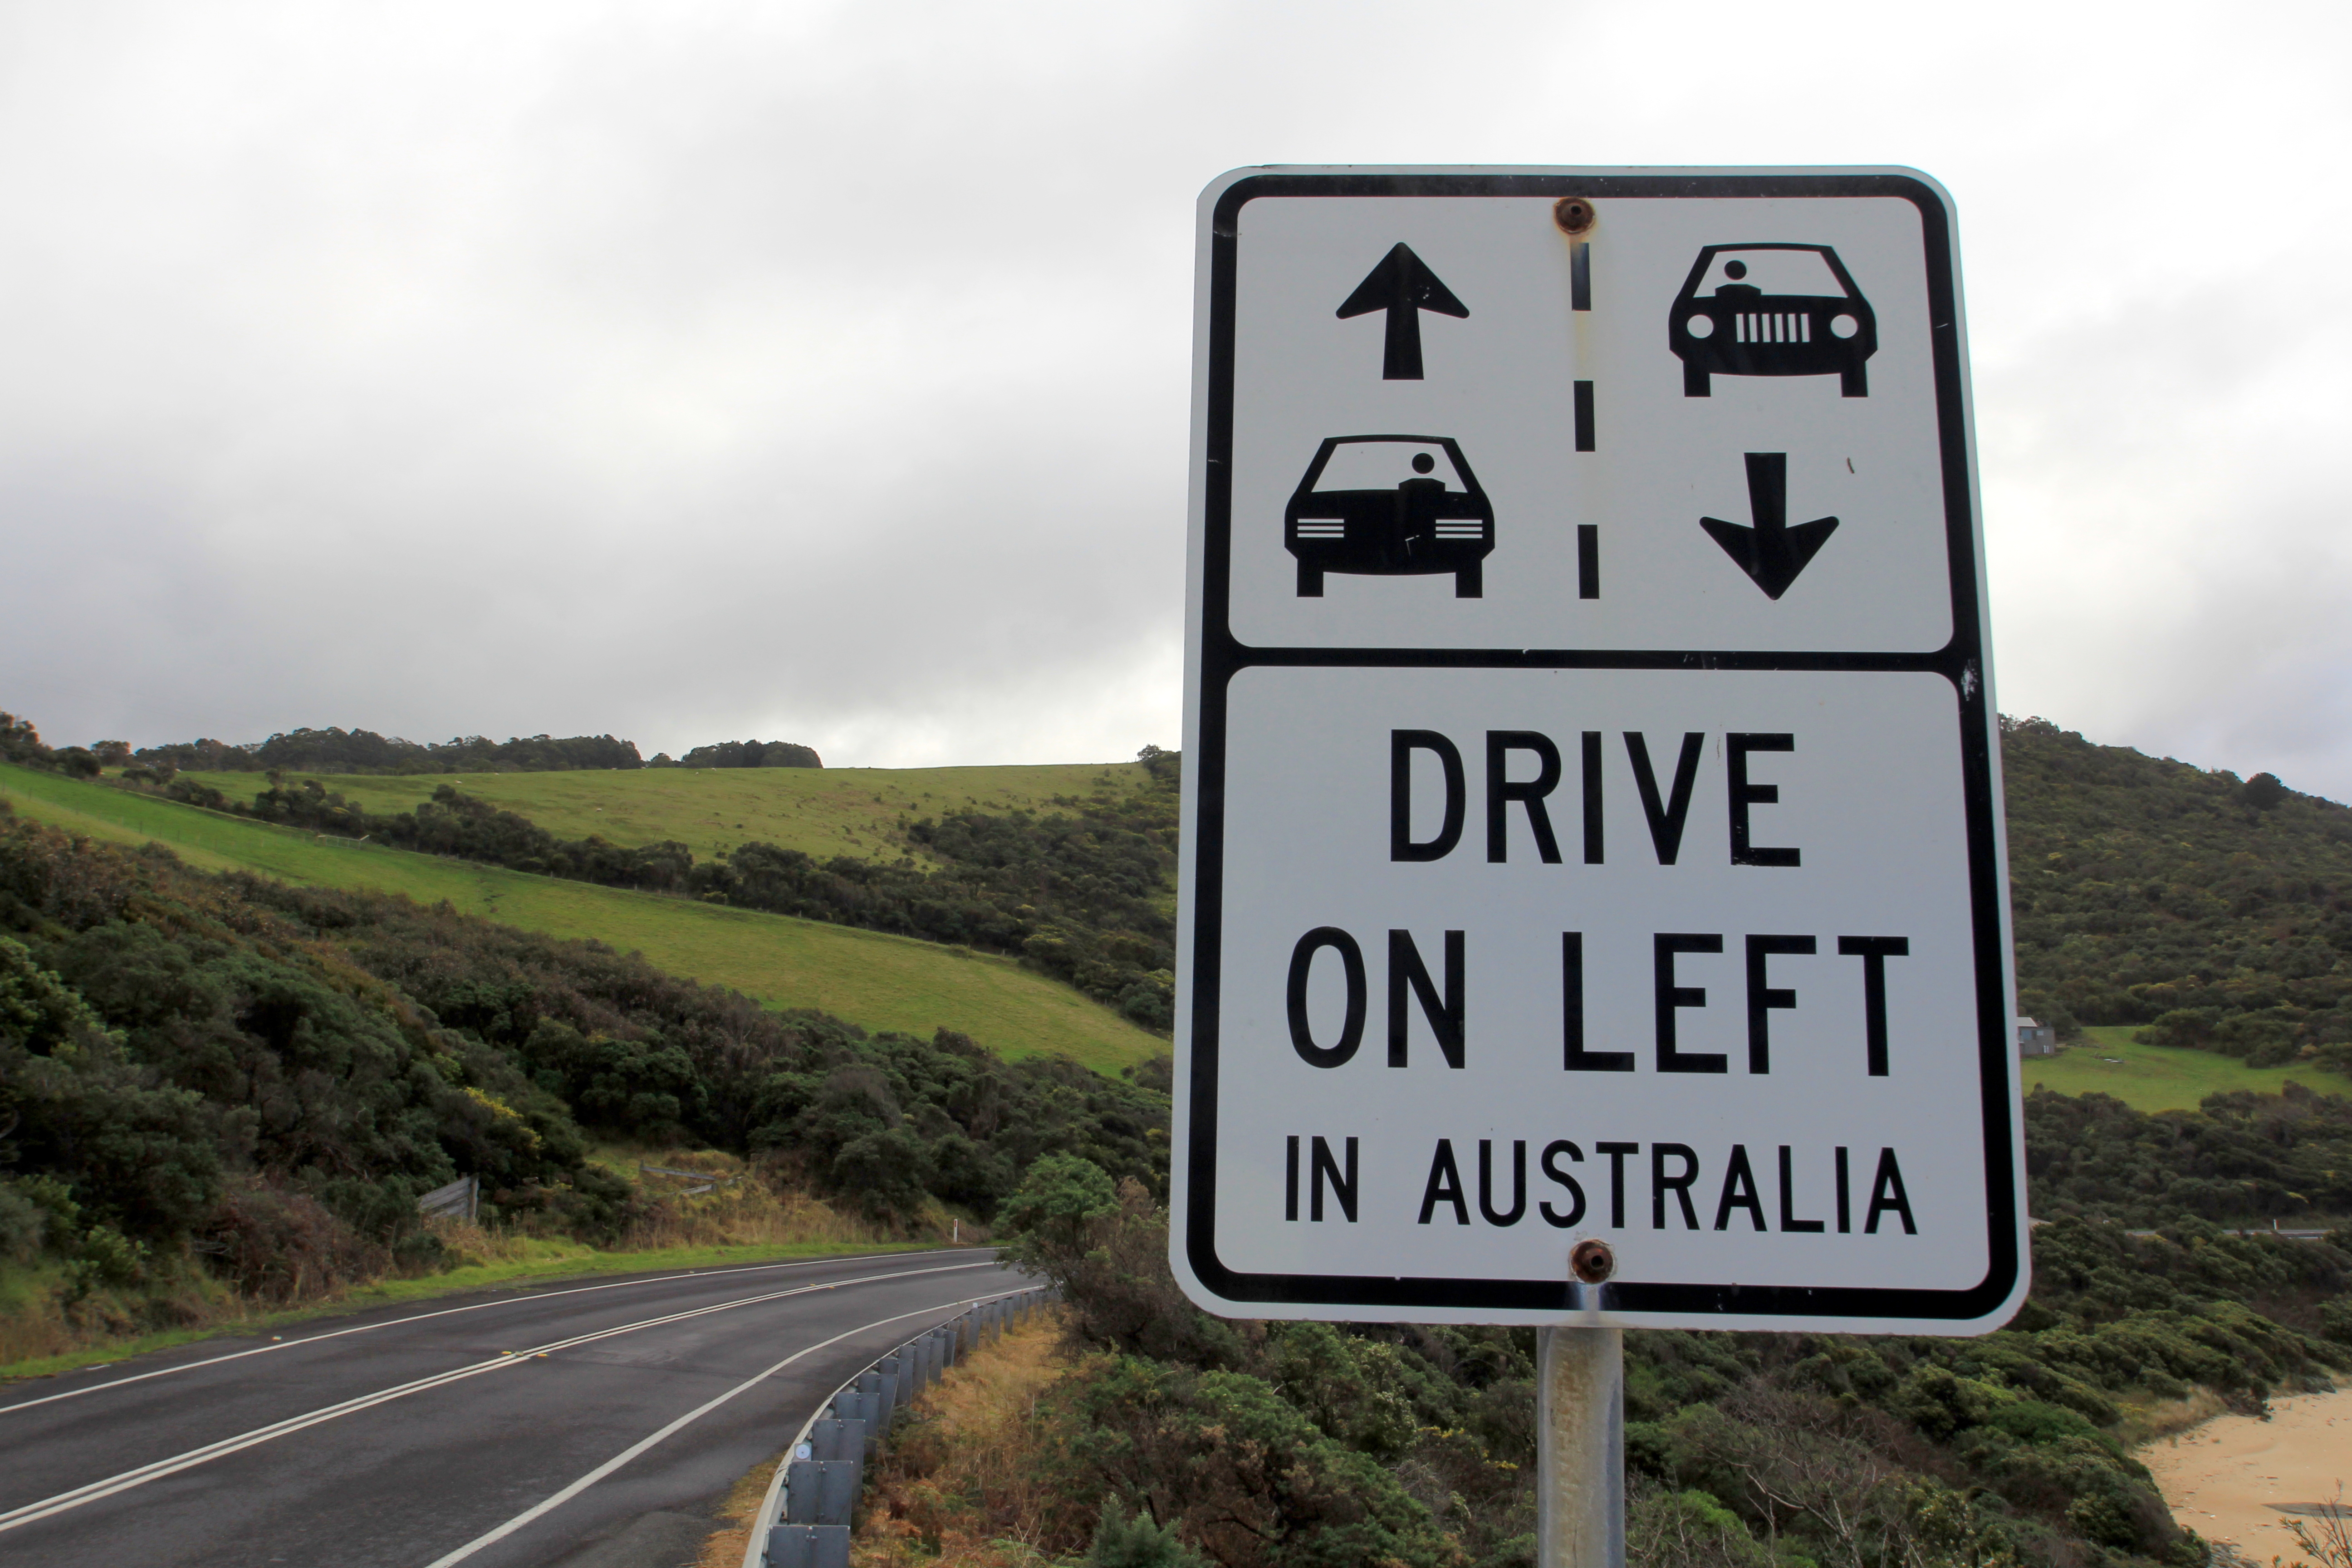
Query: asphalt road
{"points": [[595, 1423]]}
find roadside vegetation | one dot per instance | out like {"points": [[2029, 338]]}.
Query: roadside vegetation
{"points": [[1264, 1445], [220, 1091]]}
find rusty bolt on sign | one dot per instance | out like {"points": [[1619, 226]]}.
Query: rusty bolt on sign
{"points": [[1574, 215], [1592, 1261]]}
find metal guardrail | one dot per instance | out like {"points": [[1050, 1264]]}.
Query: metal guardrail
{"points": [[2275, 1230], [804, 1520]]}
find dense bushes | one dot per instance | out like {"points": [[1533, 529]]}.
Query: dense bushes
{"points": [[2239, 1157], [1309, 1443], [1270, 1445]]}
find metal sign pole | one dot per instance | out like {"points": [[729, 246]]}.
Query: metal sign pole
{"points": [[1581, 1448]]}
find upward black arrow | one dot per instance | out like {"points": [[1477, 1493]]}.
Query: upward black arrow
{"points": [[1404, 286], [1772, 552]]}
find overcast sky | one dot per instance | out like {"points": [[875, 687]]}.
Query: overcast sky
{"points": [[820, 371]]}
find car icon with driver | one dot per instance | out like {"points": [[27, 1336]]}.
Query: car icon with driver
{"points": [[1771, 310], [1390, 506]]}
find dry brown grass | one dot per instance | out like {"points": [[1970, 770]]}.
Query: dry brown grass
{"points": [[2151, 1422], [959, 1485], [725, 1548], [749, 1208], [753, 1208]]}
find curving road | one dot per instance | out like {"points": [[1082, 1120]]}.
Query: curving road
{"points": [[576, 1424]]}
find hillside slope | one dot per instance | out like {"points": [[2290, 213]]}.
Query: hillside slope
{"points": [[858, 812], [211, 1081], [2217, 910], [878, 981]]}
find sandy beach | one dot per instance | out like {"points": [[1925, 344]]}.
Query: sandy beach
{"points": [[2220, 1478]]}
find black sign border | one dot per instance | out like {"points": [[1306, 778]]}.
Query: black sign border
{"points": [[1221, 657]]}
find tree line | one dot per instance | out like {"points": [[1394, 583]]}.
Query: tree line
{"points": [[743, 754], [337, 750], [363, 752]]}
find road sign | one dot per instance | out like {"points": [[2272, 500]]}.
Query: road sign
{"points": [[1593, 827]]}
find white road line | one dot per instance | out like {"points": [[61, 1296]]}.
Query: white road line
{"points": [[444, 1312], [124, 1481], [633, 1449]]}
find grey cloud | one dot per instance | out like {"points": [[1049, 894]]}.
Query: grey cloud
{"points": [[821, 370]]}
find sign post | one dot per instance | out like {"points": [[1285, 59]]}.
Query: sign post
{"points": [[1581, 1448], [1592, 833]]}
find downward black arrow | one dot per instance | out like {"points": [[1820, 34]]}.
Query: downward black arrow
{"points": [[1404, 287], [1771, 552]]}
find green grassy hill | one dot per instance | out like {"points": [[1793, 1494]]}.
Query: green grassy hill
{"points": [[2107, 1060], [821, 812], [876, 981]]}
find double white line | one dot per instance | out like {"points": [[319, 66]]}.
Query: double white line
{"points": [[67, 1501]]}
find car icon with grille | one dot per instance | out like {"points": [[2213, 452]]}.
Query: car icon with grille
{"points": [[1390, 506], [1771, 310]]}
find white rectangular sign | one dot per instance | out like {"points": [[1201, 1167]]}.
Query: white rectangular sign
{"points": [[1592, 823]]}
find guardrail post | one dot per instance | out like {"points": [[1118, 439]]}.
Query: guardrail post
{"points": [[892, 1370], [808, 1546], [858, 1406], [821, 1491], [837, 1439]]}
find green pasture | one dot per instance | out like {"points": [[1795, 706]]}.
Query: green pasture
{"points": [[822, 812], [875, 981], [2161, 1078]]}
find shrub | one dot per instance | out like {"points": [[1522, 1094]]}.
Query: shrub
{"points": [[280, 1245], [1687, 1529], [1238, 1469], [1138, 1542]]}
